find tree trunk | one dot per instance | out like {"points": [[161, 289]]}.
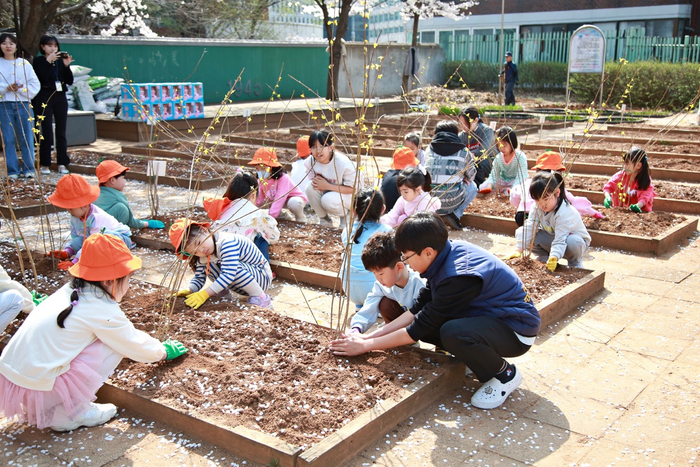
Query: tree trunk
{"points": [[336, 49], [414, 43], [35, 17]]}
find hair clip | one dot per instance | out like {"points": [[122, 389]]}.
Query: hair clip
{"points": [[74, 302], [239, 169]]}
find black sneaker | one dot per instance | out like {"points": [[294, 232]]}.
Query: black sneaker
{"points": [[452, 221]]}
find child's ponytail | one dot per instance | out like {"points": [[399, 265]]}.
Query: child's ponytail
{"points": [[77, 284], [635, 155], [369, 206], [241, 185]]}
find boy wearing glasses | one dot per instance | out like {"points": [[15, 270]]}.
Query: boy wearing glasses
{"points": [[112, 178], [474, 306], [396, 287]]}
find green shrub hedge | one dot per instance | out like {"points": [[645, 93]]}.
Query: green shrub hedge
{"points": [[640, 85], [480, 76], [650, 85]]}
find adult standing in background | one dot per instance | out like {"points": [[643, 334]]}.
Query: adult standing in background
{"points": [[18, 85], [510, 74], [52, 68]]}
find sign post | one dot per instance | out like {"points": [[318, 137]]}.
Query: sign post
{"points": [[586, 55]]}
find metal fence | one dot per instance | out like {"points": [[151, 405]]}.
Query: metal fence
{"points": [[632, 45]]}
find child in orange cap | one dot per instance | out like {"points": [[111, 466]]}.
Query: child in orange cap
{"points": [[275, 188], [236, 213], [231, 261], [299, 174], [72, 342], [112, 178], [75, 194], [548, 161]]}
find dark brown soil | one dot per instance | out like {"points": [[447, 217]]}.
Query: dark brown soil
{"points": [[178, 168], [252, 367], [540, 282], [657, 136], [617, 220], [663, 189], [229, 153], [620, 220], [24, 193], [679, 163], [618, 149], [308, 245]]}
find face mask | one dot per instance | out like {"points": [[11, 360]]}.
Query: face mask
{"points": [[263, 174]]}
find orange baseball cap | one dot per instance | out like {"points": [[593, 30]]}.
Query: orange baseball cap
{"points": [[108, 169], [73, 191], [265, 156], [404, 157], [180, 229], [549, 160], [104, 257], [303, 149]]}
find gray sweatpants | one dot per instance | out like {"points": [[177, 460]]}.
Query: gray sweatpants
{"points": [[575, 248]]}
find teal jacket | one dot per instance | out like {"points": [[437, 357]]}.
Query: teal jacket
{"points": [[114, 202]]}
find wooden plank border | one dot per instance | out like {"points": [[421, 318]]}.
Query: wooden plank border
{"points": [[660, 204], [656, 245], [605, 152]]}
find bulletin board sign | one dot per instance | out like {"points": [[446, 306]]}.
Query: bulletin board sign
{"points": [[587, 50]]}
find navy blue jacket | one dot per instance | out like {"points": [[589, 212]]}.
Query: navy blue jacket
{"points": [[501, 295], [511, 71]]}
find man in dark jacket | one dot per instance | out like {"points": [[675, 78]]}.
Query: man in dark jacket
{"points": [[510, 71]]}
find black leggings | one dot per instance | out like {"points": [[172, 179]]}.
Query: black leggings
{"points": [[56, 107], [480, 343]]}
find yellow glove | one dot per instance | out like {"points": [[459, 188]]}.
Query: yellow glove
{"points": [[182, 293], [552, 263], [513, 255], [197, 299]]}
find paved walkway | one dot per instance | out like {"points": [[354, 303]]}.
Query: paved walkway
{"points": [[615, 383]]}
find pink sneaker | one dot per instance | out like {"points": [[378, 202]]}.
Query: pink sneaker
{"points": [[264, 301]]}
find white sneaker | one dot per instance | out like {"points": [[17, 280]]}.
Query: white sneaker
{"points": [[13, 177], [45, 170], [494, 393], [29, 175], [63, 170], [97, 414]]}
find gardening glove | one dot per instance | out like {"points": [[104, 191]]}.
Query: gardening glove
{"points": [[485, 188], [607, 202], [515, 254], [182, 293], [173, 349], [60, 254], [64, 265], [155, 224], [552, 263], [38, 297], [635, 208], [197, 299]]}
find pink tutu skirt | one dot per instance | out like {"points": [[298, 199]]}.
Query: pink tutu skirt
{"points": [[74, 390]]}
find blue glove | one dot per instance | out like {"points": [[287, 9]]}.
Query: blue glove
{"points": [[155, 224]]}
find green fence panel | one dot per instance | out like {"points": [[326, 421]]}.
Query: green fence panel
{"points": [[215, 64]]}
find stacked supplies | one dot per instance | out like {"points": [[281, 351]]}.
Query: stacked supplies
{"points": [[161, 101], [99, 94]]}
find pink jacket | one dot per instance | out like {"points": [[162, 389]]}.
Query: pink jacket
{"points": [[278, 192], [625, 192], [402, 209]]}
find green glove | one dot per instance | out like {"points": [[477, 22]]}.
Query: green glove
{"points": [[197, 299], [608, 201], [38, 297], [635, 208], [174, 349], [155, 224]]}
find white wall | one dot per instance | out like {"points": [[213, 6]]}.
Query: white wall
{"points": [[430, 60]]}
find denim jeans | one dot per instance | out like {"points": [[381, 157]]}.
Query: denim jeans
{"points": [[263, 246], [472, 190], [15, 120]]}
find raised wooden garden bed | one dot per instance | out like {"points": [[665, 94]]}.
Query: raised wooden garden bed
{"points": [[657, 245], [607, 152], [633, 139], [660, 204], [85, 162], [670, 130], [28, 198]]}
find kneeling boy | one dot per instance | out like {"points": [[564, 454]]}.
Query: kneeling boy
{"points": [[474, 306], [396, 287]]}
